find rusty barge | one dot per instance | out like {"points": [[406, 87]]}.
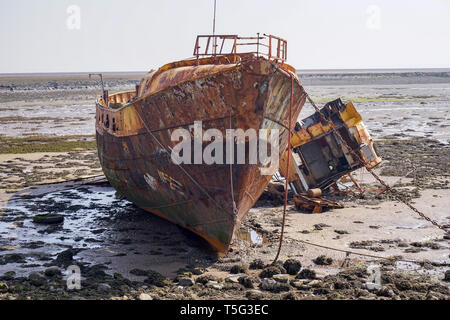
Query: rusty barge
{"points": [[231, 82]]}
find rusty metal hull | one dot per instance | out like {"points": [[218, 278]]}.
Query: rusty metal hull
{"points": [[252, 94]]}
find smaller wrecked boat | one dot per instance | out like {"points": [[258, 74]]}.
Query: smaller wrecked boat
{"points": [[319, 158]]}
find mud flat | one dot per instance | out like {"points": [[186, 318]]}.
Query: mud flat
{"points": [[126, 253]]}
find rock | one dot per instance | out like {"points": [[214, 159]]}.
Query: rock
{"points": [[198, 271], [372, 286], [104, 287], [155, 278], [314, 283], [272, 270], [145, 296], [236, 269], [3, 287], [185, 282], [306, 274], [51, 218], [300, 285], [8, 275], [214, 285], [234, 278], [447, 276], [289, 296], [139, 272], [204, 279], [246, 281], [283, 278], [268, 284], [272, 285], [323, 260], [96, 271], [385, 292], [53, 272], [12, 258], [292, 266], [65, 258], [257, 264], [254, 295], [36, 279]]}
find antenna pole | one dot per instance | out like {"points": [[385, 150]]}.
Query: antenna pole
{"points": [[214, 20], [214, 28]]}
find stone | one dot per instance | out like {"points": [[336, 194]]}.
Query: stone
{"points": [[185, 282], [246, 281], [236, 269], [36, 279], [254, 295], [52, 272], [385, 292], [257, 264], [283, 278], [145, 296], [272, 270], [65, 258], [306, 274], [8, 275], [447, 276], [292, 266], [234, 278], [155, 278], [198, 271], [214, 285], [104, 287], [372, 286], [3, 287], [323, 260], [268, 284]]}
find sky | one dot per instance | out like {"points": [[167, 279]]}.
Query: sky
{"points": [[139, 35]]}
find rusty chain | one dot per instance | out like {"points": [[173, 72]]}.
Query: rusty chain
{"points": [[394, 192]]}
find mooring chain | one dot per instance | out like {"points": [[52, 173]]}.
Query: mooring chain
{"points": [[394, 192]]}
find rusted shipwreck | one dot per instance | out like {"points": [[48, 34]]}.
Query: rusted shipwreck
{"points": [[231, 82]]}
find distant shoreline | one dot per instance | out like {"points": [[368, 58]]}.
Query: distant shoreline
{"points": [[300, 71]]}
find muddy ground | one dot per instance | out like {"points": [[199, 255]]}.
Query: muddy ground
{"points": [[126, 253]]}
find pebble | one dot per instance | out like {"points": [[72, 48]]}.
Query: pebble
{"points": [[145, 296], [283, 278], [104, 287], [372, 286], [185, 282]]}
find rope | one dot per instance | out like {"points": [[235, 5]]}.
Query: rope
{"points": [[287, 170], [231, 180], [394, 192]]}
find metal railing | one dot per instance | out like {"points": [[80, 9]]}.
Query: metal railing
{"points": [[269, 46]]}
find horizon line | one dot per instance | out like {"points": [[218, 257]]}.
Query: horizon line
{"points": [[337, 70]]}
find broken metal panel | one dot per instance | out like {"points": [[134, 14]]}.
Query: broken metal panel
{"points": [[319, 158]]}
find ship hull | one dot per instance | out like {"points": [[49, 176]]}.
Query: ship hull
{"points": [[210, 200]]}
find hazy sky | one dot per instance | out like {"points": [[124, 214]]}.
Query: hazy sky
{"points": [[137, 35]]}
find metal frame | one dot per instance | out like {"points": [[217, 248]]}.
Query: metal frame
{"points": [[276, 47]]}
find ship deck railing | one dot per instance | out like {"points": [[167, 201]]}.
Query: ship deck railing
{"points": [[269, 46]]}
